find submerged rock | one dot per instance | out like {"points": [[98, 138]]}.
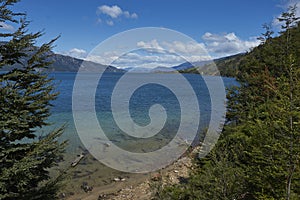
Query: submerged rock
{"points": [[86, 187]]}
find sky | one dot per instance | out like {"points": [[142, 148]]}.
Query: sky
{"points": [[221, 27]]}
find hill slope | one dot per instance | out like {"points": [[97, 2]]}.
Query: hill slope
{"points": [[62, 63], [227, 66]]}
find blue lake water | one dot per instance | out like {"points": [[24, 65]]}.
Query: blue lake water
{"points": [[140, 105], [140, 102]]}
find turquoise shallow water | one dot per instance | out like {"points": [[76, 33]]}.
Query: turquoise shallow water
{"points": [[139, 105], [140, 102]]}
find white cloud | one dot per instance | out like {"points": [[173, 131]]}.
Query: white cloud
{"points": [[129, 15], [114, 12], [189, 48], [137, 58], [106, 58], [154, 53], [134, 16], [76, 53], [191, 51], [220, 45], [151, 46], [109, 22], [213, 46], [6, 27], [145, 59]]}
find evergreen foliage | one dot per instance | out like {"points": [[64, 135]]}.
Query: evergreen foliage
{"points": [[258, 153], [25, 100]]}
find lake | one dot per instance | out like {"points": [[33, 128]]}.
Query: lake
{"points": [[119, 132], [139, 103]]}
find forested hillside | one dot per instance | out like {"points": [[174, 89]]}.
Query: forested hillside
{"points": [[258, 153], [270, 52], [227, 66]]}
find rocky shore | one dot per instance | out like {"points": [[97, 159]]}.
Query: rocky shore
{"points": [[136, 187]]}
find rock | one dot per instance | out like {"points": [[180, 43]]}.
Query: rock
{"points": [[176, 171], [102, 196], [156, 177], [117, 179], [71, 193], [86, 187], [62, 195]]}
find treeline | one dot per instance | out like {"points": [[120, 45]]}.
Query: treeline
{"points": [[257, 155], [226, 66], [232, 66]]}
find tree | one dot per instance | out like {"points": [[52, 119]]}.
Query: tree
{"points": [[25, 101], [267, 35], [290, 97], [267, 106], [258, 153]]}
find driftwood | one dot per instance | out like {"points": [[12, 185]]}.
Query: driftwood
{"points": [[77, 160]]}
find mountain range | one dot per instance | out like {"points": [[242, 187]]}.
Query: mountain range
{"points": [[63, 63]]}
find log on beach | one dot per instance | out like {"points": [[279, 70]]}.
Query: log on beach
{"points": [[77, 160]]}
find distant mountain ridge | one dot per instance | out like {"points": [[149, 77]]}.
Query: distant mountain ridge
{"points": [[225, 66], [159, 69], [163, 69], [188, 65], [63, 63]]}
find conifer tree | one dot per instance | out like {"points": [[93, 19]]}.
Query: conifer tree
{"points": [[25, 101], [258, 153], [266, 108]]}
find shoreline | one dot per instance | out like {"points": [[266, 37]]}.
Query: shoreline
{"points": [[138, 186]]}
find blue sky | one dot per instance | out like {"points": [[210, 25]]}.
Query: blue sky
{"points": [[224, 26]]}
